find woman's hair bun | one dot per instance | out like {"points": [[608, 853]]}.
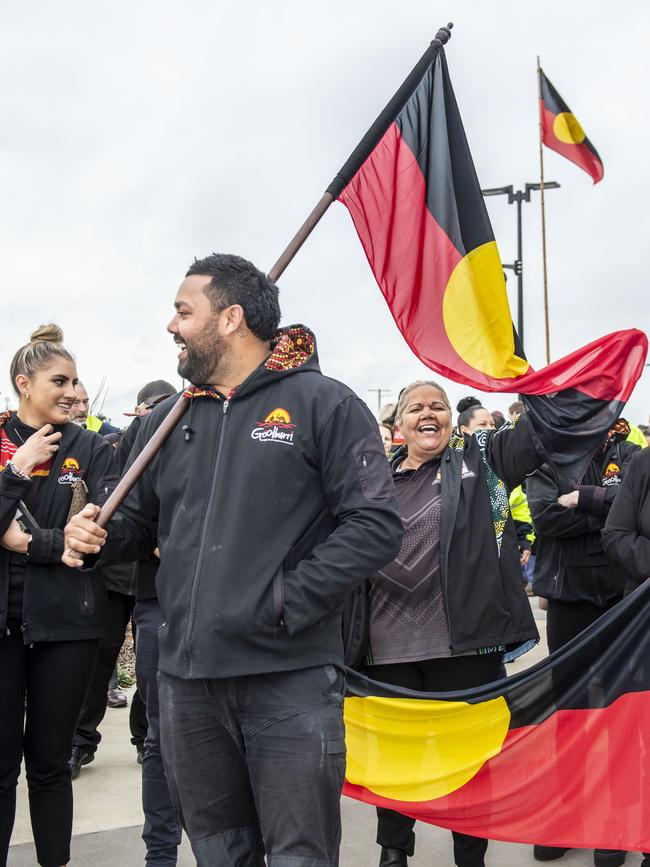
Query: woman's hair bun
{"points": [[466, 403], [47, 334]]}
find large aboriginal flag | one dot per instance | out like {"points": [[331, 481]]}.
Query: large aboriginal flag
{"points": [[562, 131], [557, 755], [413, 194]]}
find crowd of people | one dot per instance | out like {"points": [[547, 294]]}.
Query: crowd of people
{"points": [[234, 555]]}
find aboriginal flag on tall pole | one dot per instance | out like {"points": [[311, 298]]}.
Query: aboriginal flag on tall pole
{"points": [[563, 132], [557, 755], [413, 194]]}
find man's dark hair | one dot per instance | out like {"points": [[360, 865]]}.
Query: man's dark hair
{"points": [[238, 281]]}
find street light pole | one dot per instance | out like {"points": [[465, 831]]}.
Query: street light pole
{"points": [[517, 197], [380, 392]]}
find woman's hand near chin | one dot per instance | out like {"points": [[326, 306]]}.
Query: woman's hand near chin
{"points": [[38, 449], [14, 539]]}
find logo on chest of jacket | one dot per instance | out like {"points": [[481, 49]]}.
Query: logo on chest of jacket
{"points": [[466, 473], [276, 428], [70, 472], [612, 475]]}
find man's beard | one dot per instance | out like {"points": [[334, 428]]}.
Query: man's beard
{"points": [[200, 362]]}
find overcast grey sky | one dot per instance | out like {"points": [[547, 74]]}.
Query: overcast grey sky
{"points": [[136, 136]]}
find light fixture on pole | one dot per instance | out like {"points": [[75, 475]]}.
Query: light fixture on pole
{"points": [[519, 196]]}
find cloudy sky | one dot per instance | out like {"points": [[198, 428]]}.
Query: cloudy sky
{"points": [[136, 136]]}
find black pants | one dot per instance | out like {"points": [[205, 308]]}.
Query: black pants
{"points": [[119, 609], [162, 830], [53, 678], [565, 620], [395, 831], [255, 766], [138, 717]]}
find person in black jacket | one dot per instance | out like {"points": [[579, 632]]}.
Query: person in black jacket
{"points": [[626, 535], [443, 613], [121, 581], [50, 618], [572, 570], [162, 831], [269, 502], [626, 538]]}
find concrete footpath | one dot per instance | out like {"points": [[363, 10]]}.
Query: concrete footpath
{"points": [[108, 816]]}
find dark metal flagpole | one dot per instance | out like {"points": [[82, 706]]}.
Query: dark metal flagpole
{"points": [[343, 177]]}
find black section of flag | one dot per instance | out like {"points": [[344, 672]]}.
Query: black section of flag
{"points": [[608, 660], [588, 418], [554, 103], [431, 126]]}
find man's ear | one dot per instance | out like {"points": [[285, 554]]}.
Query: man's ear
{"points": [[231, 319]]}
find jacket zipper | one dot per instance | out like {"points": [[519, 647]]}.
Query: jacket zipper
{"points": [[199, 562], [444, 566]]}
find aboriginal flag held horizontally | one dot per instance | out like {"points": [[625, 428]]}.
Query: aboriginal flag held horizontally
{"points": [[413, 194], [562, 131], [557, 755]]}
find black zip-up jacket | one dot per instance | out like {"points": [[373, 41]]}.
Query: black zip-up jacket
{"points": [[571, 564], [484, 593], [59, 604], [626, 536], [142, 573], [483, 590], [279, 502]]}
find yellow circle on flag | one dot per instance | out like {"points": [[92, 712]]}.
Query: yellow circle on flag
{"points": [[418, 750], [477, 315], [567, 128]]}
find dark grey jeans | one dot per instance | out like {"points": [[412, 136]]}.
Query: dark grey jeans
{"points": [[255, 766], [162, 831]]}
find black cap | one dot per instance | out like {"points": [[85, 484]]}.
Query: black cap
{"points": [[155, 391]]}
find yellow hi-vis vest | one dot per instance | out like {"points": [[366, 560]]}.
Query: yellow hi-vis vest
{"points": [[636, 436], [520, 510], [94, 423]]}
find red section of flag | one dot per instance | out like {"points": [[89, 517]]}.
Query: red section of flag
{"points": [[579, 154], [410, 255], [607, 369], [573, 780]]}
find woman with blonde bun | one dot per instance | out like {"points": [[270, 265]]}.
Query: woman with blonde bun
{"points": [[50, 618]]}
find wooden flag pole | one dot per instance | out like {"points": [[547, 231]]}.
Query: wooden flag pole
{"points": [[541, 189], [353, 164]]}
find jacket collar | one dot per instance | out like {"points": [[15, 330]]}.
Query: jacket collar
{"points": [[292, 350]]}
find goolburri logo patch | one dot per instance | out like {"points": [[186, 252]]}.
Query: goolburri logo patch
{"points": [[612, 475], [70, 472], [276, 428]]}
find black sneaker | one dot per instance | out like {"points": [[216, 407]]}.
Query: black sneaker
{"points": [[548, 853], [609, 857], [78, 757]]}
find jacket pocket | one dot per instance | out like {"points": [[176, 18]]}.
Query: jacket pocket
{"points": [[372, 468], [356, 627], [86, 594]]}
